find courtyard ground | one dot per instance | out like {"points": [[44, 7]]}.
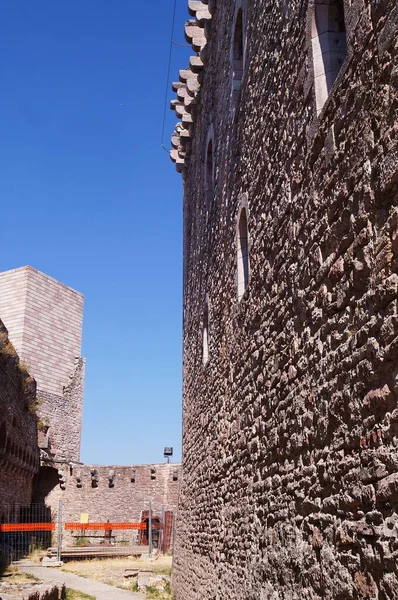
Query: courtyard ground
{"points": [[113, 572], [89, 587]]}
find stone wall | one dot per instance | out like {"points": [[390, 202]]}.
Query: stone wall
{"points": [[61, 418], [290, 460], [114, 493], [19, 454], [44, 318], [32, 591]]}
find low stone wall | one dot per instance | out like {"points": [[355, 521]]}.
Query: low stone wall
{"points": [[29, 591], [108, 493]]}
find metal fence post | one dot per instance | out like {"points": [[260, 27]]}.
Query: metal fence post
{"points": [[59, 541], [150, 530], [163, 529]]}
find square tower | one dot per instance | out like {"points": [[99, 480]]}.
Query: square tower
{"points": [[44, 320]]}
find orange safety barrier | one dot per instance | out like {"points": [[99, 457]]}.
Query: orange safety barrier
{"points": [[104, 526], [17, 527]]}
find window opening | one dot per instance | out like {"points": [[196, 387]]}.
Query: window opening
{"points": [[329, 46], [237, 58], [243, 254], [206, 334]]}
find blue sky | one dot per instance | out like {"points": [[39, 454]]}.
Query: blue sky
{"points": [[90, 198]]}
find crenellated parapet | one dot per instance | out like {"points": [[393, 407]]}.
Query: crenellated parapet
{"points": [[197, 33]]}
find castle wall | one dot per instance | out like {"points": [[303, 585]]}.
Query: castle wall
{"points": [[114, 493], [44, 318], [51, 315], [19, 454], [290, 484], [13, 290], [52, 330]]}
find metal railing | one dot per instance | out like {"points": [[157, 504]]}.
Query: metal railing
{"points": [[33, 529]]}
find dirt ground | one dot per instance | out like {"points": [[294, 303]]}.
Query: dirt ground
{"points": [[113, 570]]}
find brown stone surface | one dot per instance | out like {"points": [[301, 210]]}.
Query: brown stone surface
{"points": [[30, 591], [63, 414], [290, 439], [19, 454], [114, 493]]}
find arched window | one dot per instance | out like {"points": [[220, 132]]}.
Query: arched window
{"points": [[237, 58], [242, 253], [209, 175], [205, 339], [329, 46]]}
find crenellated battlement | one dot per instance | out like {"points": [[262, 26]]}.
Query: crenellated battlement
{"points": [[197, 33]]}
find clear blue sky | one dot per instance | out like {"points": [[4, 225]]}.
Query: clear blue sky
{"points": [[90, 198]]}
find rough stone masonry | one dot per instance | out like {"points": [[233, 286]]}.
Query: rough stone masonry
{"points": [[109, 493], [288, 147], [19, 454]]}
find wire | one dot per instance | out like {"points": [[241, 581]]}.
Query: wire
{"points": [[168, 71]]}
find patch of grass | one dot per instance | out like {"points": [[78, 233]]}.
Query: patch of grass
{"points": [[167, 586], [82, 542], [152, 593], [5, 345], [43, 424], [164, 571], [23, 366], [78, 573], [107, 569], [76, 595], [36, 554], [112, 571], [14, 576], [34, 405]]}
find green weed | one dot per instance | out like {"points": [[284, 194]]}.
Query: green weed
{"points": [[76, 595]]}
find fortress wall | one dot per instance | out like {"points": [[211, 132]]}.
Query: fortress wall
{"points": [[13, 290], [44, 318], [19, 454], [290, 484], [114, 493], [52, 330], [63, 415]]}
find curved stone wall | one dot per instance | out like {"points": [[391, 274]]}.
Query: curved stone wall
{"points": [[290, 457]]}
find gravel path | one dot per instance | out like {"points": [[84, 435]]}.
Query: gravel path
{"points": [[101, 591]]}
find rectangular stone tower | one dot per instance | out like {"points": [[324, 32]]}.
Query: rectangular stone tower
{"points": [[44, 319]]}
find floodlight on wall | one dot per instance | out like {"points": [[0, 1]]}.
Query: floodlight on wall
{"points": [[168, 452]]}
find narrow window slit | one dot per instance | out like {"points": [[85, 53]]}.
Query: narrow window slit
{"points": [[243, 254], [329, 46], [205, 339], [237, 56]]}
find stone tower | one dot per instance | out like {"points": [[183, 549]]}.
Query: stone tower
{"points": [[44, 319], [287, 141]]}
